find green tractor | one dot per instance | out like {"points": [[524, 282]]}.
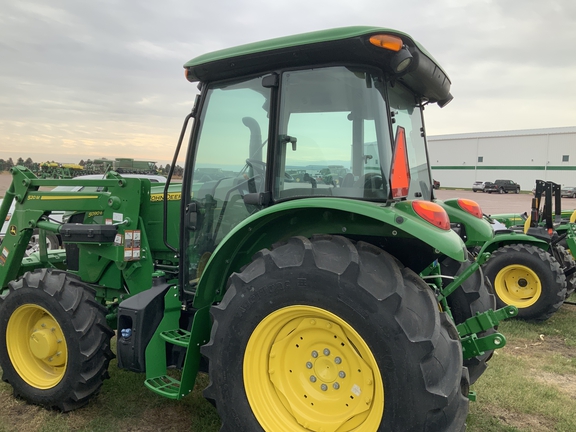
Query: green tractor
{"points": [[537, 278], [313, 304]]}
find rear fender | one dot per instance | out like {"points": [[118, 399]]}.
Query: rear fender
{"points": [[395, 227], [477, 231], [507, 238]]}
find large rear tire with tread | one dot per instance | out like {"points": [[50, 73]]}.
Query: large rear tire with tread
{"points": [[527, 277], [321, 334], [474, 296], [567, 262], [57, 346]]}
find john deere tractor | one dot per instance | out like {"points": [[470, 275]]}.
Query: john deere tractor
{"points": [[334, 301], [536, 274]]}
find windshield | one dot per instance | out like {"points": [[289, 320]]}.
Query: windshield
{"points": [[333, 136]]}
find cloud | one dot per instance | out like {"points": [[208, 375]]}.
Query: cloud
{"points": [[81, 75]]}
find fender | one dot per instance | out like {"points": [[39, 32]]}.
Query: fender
{"points": [[507, 238], [477, 231], [510, 219], [391, 224]]}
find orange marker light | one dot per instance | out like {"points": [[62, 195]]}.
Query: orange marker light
{"points": [[471, 207], [392, 43], [433, 213]]}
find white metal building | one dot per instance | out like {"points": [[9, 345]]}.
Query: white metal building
{"points": [[523, 156]]}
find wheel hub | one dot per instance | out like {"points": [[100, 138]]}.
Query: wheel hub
{"points": [[43, 343], [36, 346], [518, 285], [307, 369], [321, 377]]}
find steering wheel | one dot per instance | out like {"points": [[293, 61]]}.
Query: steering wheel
{"points": [[373, 181]]}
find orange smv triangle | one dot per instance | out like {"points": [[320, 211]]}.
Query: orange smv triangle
{"points": [[400, 174]]}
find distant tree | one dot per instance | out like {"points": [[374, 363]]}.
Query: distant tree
{"points": [[3, 165], [29, 163], [20, 161], [167, 169], [9, 163], [82, 163]]}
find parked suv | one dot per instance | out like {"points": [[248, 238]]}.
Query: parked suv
{"points": [[568, 192], [505, 186], [478, 186]]}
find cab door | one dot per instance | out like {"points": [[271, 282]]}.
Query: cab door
{"points": [[227, 158]]}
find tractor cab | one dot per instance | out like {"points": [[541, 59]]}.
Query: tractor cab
{"points": [[345, 125]]}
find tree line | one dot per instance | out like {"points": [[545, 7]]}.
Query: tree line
{"points": [[5, 165]]}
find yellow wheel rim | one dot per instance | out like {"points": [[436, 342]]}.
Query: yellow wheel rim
{"points": [[518, 285], [36, 346], [307, 369]]}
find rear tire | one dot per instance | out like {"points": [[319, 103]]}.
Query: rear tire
{"points": [[527, 277], [57, 346], [567, 262], [319, 332], [474, 296], [501, 191]]}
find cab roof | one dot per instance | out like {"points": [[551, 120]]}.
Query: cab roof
{"points": [[346, 45]]}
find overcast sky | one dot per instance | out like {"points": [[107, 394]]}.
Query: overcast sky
{"points": [[104, 78]]}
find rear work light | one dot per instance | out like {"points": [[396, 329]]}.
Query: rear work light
{"points": [[470, 206], [432, 213]]}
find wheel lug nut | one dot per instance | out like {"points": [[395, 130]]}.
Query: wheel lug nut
{"points": [[336, 386], [324, 387], [342, 374], [326, 351], [309, 365], [314, 354], [337, 360], [312, 378]]}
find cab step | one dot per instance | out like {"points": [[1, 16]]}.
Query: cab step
{"points": [[165, 386], [178, 337]]}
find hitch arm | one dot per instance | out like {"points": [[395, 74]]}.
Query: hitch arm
{"points": [[472, 345]]}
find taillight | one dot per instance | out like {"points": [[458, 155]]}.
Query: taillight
{"points": [[471, 207], [400, 173], [433, 213]]}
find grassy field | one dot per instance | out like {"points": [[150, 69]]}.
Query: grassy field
{"points": [[530, 386]]}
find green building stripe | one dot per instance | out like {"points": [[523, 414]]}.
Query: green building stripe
{"points": [[511, 168]]}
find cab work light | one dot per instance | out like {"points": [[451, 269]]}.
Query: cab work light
{"points": [[402, 59], [432, 213], [470, 206]]}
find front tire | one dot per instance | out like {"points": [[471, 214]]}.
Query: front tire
{"points": [[57, 346], [527, 277], [323, 334]]}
